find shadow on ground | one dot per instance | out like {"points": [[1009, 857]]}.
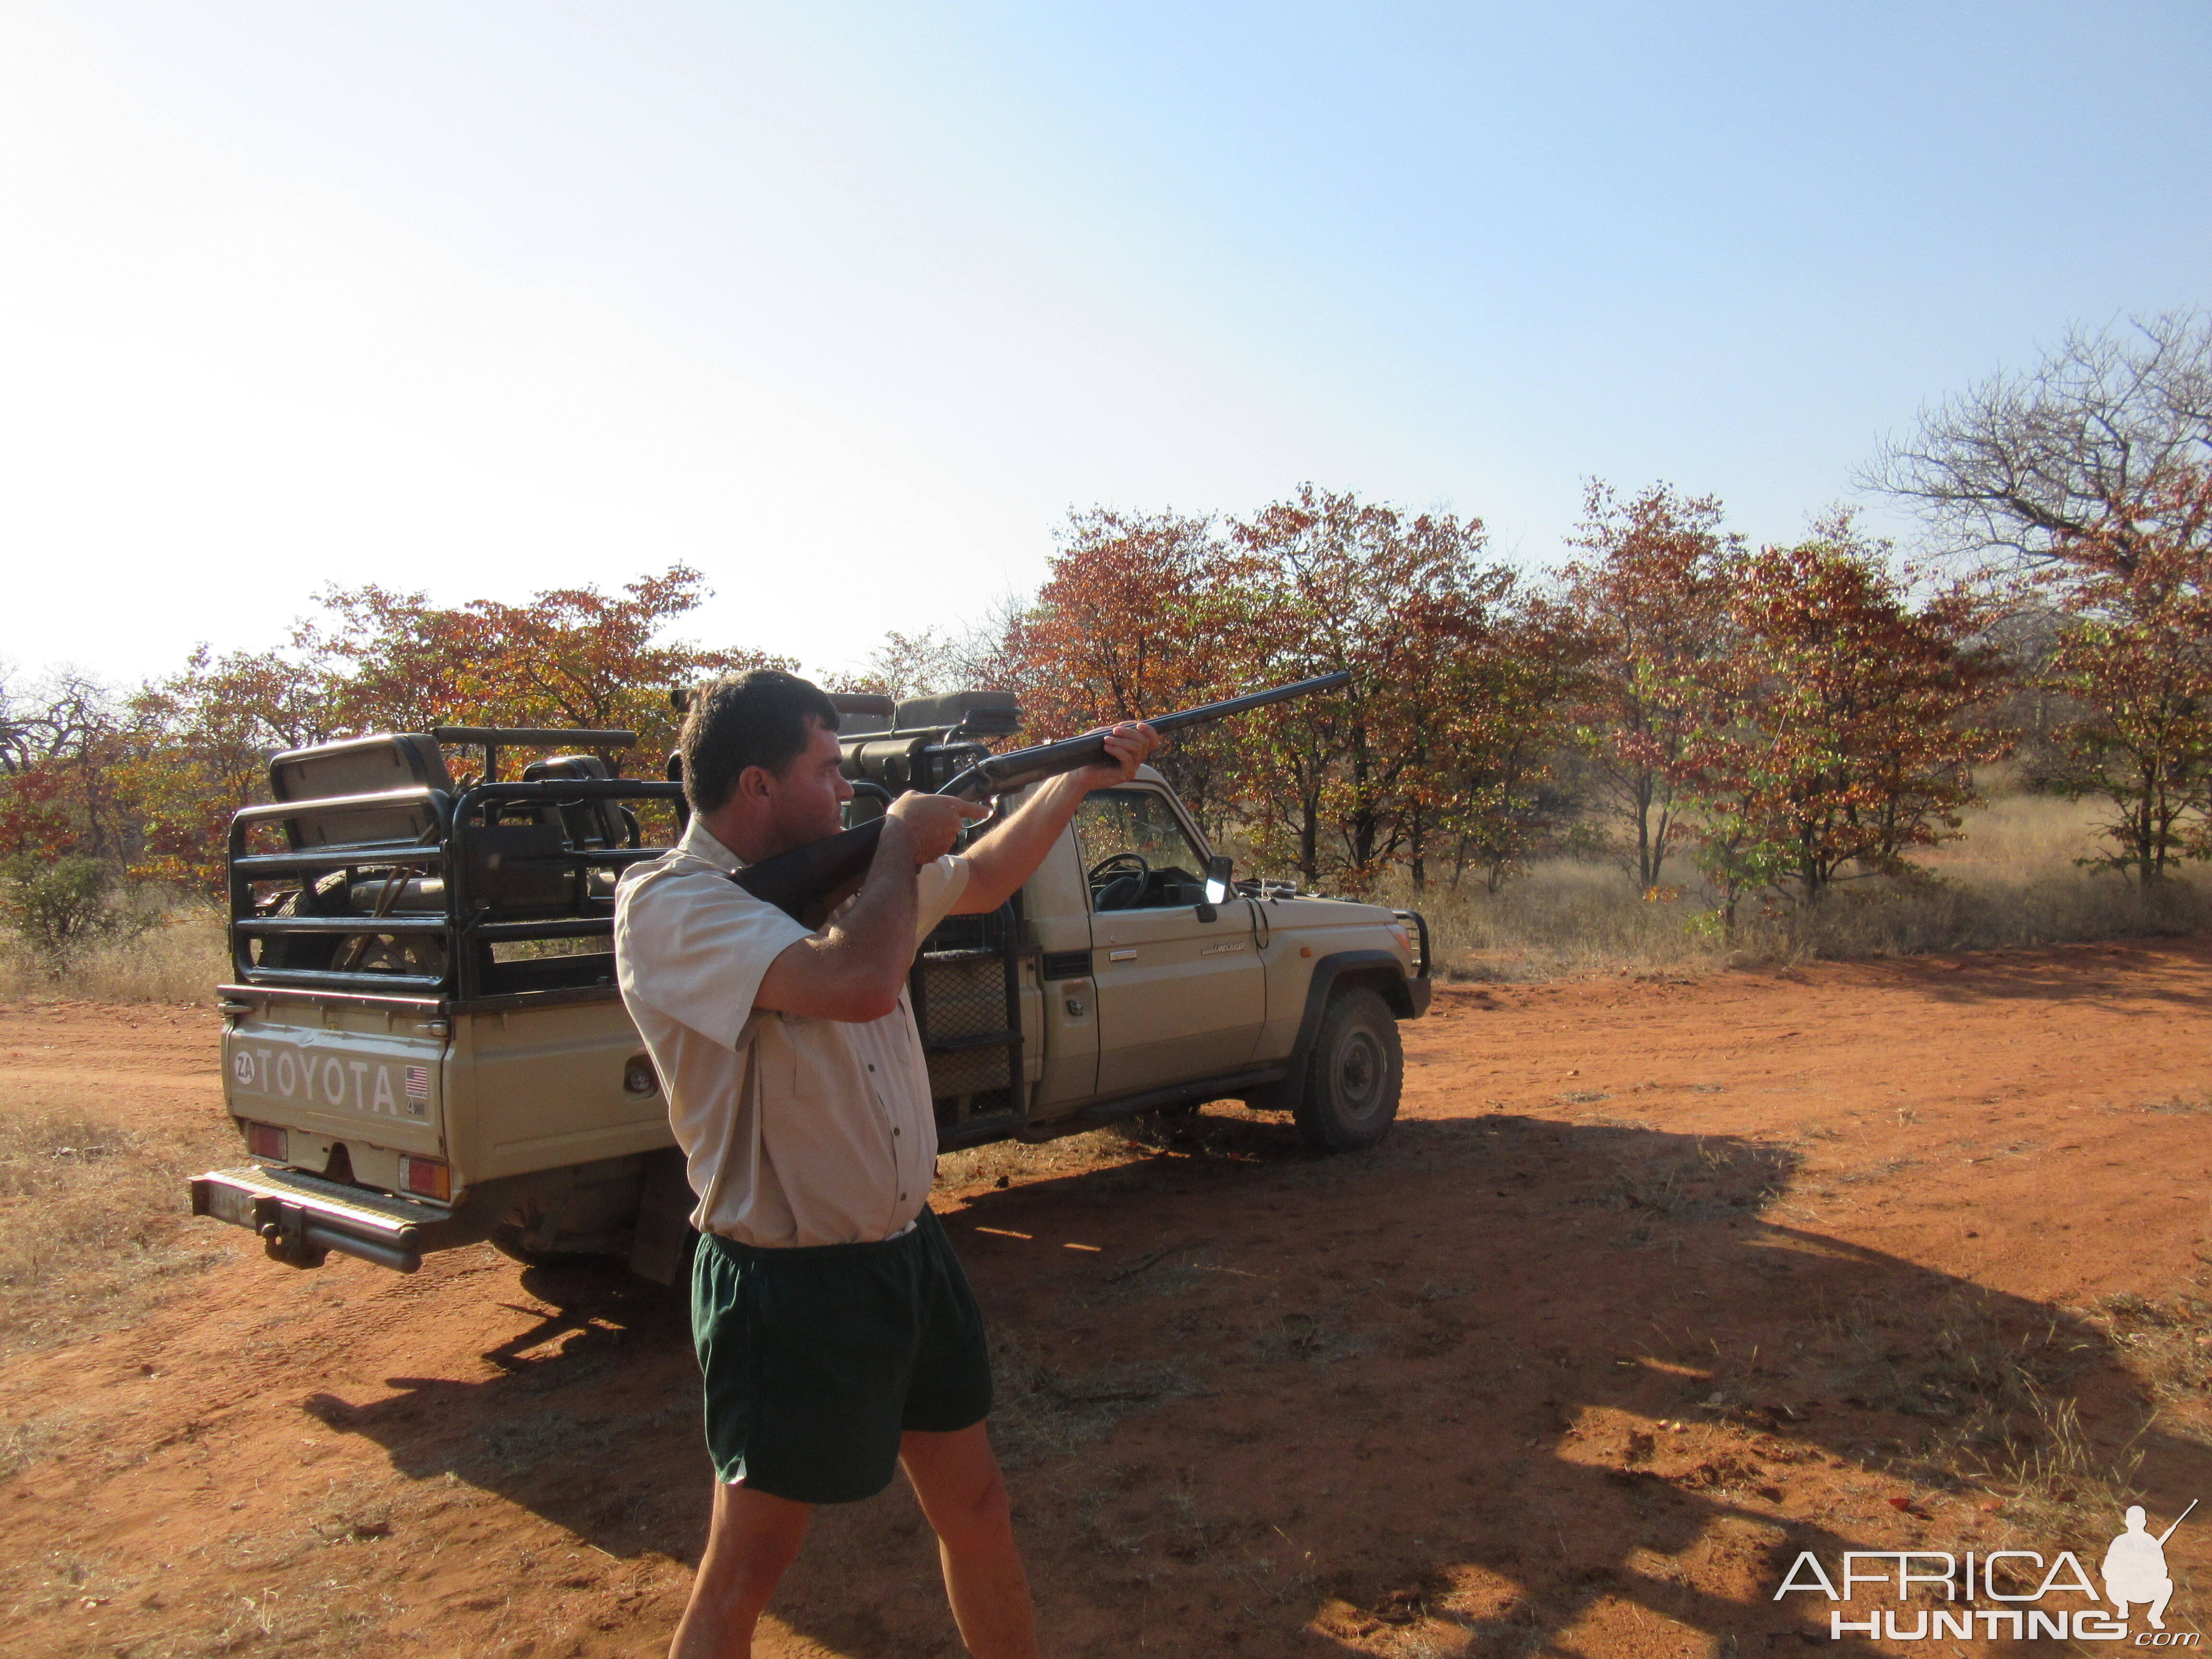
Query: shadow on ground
{"points": [[1417, 1401], [592, 1423], [2068, 973]]}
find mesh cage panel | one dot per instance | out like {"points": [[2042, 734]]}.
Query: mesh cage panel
{"points": [[962, 1108], [964, 999], [967, 1072], [962, 985]]}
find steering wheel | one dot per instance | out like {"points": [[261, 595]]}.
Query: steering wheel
{"points": [[1117, 881], [1098, 871]]}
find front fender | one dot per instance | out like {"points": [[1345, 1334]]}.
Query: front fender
{"points": [[1408, 998]]}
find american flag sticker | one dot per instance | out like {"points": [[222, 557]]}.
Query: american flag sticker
{"points": [[418, 1088]]}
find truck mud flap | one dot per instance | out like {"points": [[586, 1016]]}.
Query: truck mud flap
{"points": [[301, 1223]]}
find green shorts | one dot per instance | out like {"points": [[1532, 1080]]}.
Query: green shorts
{"points": [[818, 1359]]}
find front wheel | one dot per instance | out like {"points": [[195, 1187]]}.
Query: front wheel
{"points": [[1354, 1075]]}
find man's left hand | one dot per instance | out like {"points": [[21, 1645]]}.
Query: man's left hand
{"points": [[1128, 746]]}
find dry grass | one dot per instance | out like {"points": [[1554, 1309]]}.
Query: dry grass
{"points": [[1699, 1182], [93, 1222], [1987, 1409], [2022, 835], [2013, 880], [2167, 1343], [1002, 1162], [1984, 1387], [181, 958], [1042, 1413], [1562, 918]]}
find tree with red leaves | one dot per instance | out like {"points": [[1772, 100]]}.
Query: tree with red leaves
{"points": [[1350, 781], [2136, 655], [382, 660], [204, 739], [1834, 732], [566, 657], [1647, 609], [1140, 613], [62, 742], [1489, 785]]}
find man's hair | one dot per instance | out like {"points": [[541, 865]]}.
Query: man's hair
{"points": [[755, 719]]}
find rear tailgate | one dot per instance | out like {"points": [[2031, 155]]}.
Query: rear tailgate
{"points": [[370, 1078]]}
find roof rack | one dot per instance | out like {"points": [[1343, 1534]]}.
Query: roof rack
{"points": [[493, 738]]}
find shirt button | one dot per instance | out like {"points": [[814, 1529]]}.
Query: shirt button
{"points": [[893, 1128], [872, 1068]]}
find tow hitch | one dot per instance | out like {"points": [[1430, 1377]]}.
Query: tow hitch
{"points": [[301, 1225]]}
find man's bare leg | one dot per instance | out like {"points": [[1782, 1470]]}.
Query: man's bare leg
{"points": [[961, 1492], [752, 1538]]}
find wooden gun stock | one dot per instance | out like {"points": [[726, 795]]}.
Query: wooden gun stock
{"points": [[799, 882]]}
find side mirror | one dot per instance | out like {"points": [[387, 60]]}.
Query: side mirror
{"points": [[1217, 887], [1216, 877]]}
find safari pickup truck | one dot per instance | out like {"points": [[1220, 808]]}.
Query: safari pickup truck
{"points": [[424, 1047]]}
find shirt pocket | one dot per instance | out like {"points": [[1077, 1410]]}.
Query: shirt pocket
{"points": [[818, 1067]]}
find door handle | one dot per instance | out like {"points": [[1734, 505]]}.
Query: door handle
{"points": [[1120, 955]]}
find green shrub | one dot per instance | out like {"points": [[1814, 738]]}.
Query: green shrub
{"points": [[60, 907]]}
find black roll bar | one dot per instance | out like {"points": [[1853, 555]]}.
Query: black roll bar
{"points": [[495, 738], [463, 926]]}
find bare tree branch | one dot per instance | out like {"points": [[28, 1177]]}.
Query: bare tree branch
{"points": [[2017, 466]]}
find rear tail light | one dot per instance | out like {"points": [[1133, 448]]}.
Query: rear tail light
{"points": [[266, 1140], [426, 1177]]}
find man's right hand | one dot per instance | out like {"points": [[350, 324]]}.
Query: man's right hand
{"points": [[935, 822]]}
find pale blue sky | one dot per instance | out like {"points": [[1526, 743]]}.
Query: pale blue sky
{"points": [[847, 303]]}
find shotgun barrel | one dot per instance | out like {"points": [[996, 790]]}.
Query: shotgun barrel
{"points": [[2178, 1520]]}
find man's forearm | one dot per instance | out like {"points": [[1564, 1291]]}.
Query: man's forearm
{"points": [[1009, 854], [855, 967], [878, 930]]}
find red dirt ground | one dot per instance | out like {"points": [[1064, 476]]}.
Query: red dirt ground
{"points": [[1654, 1286]]}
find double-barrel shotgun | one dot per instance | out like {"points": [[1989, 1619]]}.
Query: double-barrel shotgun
{"points": [[799, 882]]}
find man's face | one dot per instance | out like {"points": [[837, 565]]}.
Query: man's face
{"points": [[805, 802]]}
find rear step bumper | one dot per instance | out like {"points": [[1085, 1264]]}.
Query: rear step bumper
{"points": [[300, 1218]]}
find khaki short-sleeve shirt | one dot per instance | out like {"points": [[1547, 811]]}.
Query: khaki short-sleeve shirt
{"points": [[795, 1131]]}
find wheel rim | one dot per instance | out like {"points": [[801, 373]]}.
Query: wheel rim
{"points": [[1361, 1071]]}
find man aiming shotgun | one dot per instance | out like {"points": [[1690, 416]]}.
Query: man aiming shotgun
{"points": [[836, 1331]]}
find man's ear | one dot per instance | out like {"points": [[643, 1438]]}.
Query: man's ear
{"points": [[754, 782]]}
